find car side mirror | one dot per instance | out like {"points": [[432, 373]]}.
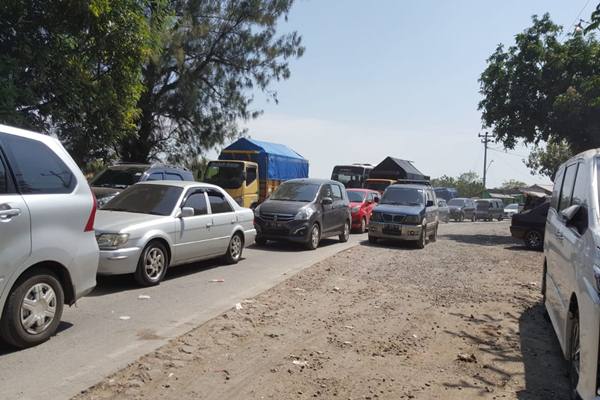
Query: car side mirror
{"points": [[575, 216], [186, 212], [327, 201], [430, 203]]}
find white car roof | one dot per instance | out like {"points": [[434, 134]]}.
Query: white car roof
{"points": [[28, 134], [182, 184]]}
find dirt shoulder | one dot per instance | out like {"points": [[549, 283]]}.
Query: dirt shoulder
{"points": [[460, 319]]}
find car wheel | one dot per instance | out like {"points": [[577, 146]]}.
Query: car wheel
{"points": [[574, 356], [345, 235], [461, 217], [533, 240], [372, 239], [422, 239], [363, 225], [500, 219], [261, 241], [235, 249], [152, 265], [33, 310], [473, 218], [314, 237], [433, 237]]}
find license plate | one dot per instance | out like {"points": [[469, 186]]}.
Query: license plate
{"points": [[273, 225], [392, 229]]}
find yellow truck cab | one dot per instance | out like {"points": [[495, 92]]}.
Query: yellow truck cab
{"points": [[250, 170]]}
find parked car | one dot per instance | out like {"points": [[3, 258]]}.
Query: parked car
{"points": [[489, 209], [48, 252], [445, 193], [530, 225], [461, 209], [511, 210], [443, 210], [362, 202], [153, 226], [571, 280], [406, 212], [304, 211], [114, 179]]}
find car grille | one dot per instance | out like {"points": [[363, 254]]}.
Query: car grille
{"points": [[277, 217], [388, 218]]}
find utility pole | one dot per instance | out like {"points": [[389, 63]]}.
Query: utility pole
{"points": [[485, 139]]}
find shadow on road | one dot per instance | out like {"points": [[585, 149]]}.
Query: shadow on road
{"points": [[6, 349], [289, 247], [390, 244], [481, 240]]}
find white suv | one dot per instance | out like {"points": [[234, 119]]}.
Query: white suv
{"points": [[571, 282], [48, 251]]}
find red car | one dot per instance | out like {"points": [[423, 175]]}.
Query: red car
{"points": [[362, 202]]}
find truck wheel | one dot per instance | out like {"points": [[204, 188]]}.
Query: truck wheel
{"points": [[314, 237], [33, 310]]}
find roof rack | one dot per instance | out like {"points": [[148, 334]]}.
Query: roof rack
{"points": [[414, 181]]}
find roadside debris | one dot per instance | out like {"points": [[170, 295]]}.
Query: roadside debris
{"points": [[125, 317], [300, 363], [238, 306], [144, 297], [464, 357], [220, 280]]}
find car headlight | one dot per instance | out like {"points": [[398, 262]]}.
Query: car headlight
{"points": [[112, 241], [412, 219], [304, 214], [355, 209]]}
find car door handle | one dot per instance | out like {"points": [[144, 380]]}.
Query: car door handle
{"points": [[209, 224], [233, 221], [11, 212], [559, 235]]}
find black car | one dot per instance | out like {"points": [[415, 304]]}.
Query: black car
{"points": [[530, 225], [461, 209], [406, 212], [304, 211], [111, 181]]}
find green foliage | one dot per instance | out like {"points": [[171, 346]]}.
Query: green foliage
{"points": [[545, 160], [468, 184], [214, 54], [73, 68], [542, 89], [513, 184]]}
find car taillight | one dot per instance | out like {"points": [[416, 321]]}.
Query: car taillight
{"points": [[89, 227]]}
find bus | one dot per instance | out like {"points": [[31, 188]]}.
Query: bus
{"points": [[352, 176]]}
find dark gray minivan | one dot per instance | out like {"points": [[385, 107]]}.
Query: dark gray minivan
{"points": [[304, 211]]}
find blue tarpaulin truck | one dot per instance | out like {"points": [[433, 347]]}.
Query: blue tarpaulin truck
{"points": [[249, 170]]}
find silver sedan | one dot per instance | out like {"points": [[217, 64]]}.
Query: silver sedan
{"points": [[151, 226]]}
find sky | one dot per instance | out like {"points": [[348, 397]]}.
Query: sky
{"points": [[398, 78]]}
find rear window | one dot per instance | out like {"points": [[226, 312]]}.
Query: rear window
{"points": [[356, 197], [37, 169], [456, 202], [146, 199]]}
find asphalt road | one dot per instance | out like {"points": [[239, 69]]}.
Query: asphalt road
{"points": [[113, 326]]}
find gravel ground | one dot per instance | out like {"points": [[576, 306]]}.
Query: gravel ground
{"points": [[460, 319]]}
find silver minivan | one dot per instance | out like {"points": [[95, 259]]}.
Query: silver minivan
{"points": [[571, 280], [48, 250]]}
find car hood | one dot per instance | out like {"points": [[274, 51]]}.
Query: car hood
{"points": [[118, 221], [101, 192], [404, 210], [282, 207]]}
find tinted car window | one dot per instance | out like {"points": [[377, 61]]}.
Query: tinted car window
{"points": [[37, 169], [403, 196], [3, 178], [118, 177], [556, 190], [197, 201], [580, 189], [218, 203], [296, 191], [337, 192], [146, 199], [567, 187], [155, 176], [250, 175], [173, 177]]}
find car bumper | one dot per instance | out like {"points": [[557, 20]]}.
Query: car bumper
{"points": [[292, 231], [404, 232], [85, 267], [117, 262]]}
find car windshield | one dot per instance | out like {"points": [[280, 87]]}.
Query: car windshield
{"points": [[456, 202], [146, 199], [118, 177], [356, 197], [296, 191], [403, 197], [351, 177], [228, 175]]}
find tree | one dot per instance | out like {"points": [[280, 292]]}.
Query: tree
{"points": [[468, 184], [512, 184], [72, 67], [544, 90], [200, 86], [546, 160]]}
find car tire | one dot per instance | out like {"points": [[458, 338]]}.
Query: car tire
{"points": [[314, 237], [152, 265], [473, 218], [533, 240], [235, 249], [574, 356], [363, 225], [461, 217], [261, 241], [372, 239], [500, 219], [345, 235], [42, 286], [433, 237], [422, 242]]}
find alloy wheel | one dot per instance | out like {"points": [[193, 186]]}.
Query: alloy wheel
{"points": [[38, 308], [235, 248], [314, 236], [534, 240], [154, 263], [363, 225]]}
